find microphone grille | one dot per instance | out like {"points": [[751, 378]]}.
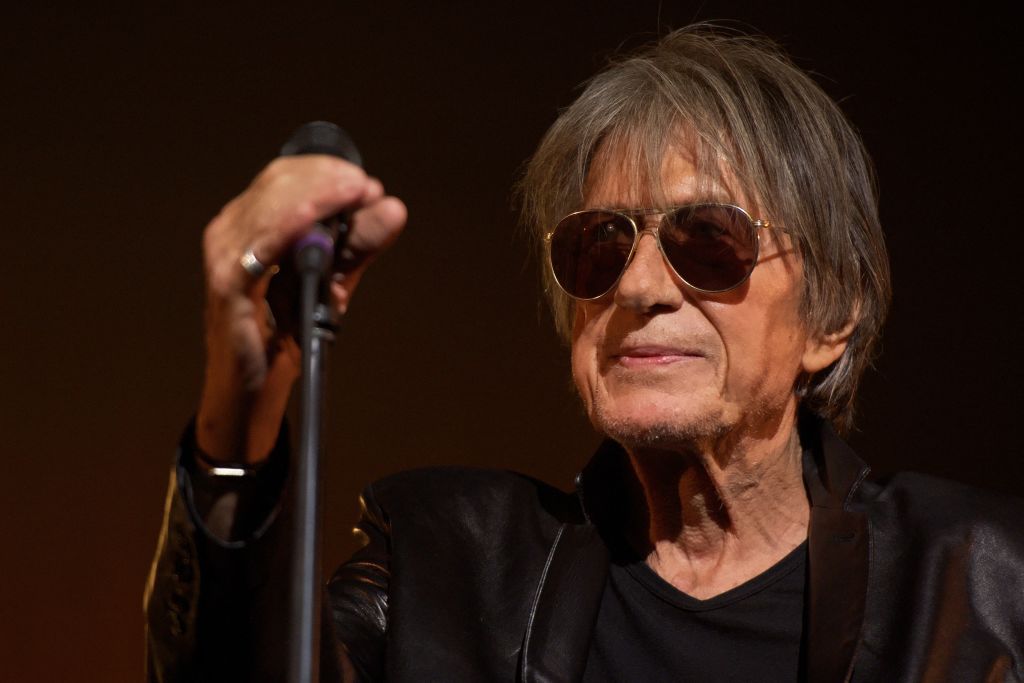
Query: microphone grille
{"points": [[322, 137]]}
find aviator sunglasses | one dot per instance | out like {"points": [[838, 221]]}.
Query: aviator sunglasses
{"points": [[710, 247]]}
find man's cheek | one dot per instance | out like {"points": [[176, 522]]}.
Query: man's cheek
{"points": [[582, 378]]}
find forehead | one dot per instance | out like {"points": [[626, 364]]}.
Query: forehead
{"points": [[627, 173]]}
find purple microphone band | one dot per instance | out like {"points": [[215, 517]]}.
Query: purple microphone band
{"points": [[315, 238]]}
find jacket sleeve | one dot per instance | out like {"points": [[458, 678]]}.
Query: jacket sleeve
{"points": [[357, 597], [216, 600]]}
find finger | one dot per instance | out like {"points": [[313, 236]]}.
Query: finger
{"points": [[377, 225], [374, 190], [341, 290], [298, 193], [375, 228], [256, 269], [223, 251]]}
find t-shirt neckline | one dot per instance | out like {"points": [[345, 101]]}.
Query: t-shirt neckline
{"points": [[649, 579]]}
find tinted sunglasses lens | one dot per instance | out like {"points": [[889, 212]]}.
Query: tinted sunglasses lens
{"points": [[712, 247], [589, 251]]}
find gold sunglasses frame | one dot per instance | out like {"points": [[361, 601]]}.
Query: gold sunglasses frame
{"points": [[631, 214]]}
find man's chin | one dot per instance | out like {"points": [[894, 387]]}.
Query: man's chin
{"points": [[676, 431]]}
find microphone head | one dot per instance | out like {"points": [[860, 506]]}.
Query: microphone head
{"points": [[322, 137]]}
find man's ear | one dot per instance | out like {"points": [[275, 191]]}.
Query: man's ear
{"points": [[824, 348]]}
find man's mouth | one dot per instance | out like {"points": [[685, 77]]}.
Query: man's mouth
{"points": [[653, 355]]}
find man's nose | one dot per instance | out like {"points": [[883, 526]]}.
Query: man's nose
{"points": [[648, 282]]}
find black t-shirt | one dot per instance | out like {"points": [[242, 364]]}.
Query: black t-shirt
{"points": [[649, 631]]}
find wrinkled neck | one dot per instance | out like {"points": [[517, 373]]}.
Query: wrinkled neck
{"points": [[740, 505]]}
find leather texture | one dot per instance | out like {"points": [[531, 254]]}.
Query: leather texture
{"points": [[479, 575]]}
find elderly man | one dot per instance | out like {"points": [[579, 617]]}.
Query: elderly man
{"points": [[713, 253]]}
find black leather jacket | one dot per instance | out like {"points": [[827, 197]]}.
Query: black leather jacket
{"points": [[477, 575]]}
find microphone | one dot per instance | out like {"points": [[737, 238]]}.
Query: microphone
{"points": [[322, 137], [323, 248], [316, 251]]}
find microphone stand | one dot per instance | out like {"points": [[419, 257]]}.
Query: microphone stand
{"points": [[315, 259], [318, 326]]}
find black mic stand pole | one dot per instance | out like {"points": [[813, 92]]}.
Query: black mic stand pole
{"points": [[318, 325], [318, 322]]}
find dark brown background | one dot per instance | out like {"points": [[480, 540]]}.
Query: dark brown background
{"points": [[125, 130]]}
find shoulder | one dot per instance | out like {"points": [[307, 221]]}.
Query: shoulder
{"points": [[941, 500], [945, 558], [922, 510], [467, 493]]}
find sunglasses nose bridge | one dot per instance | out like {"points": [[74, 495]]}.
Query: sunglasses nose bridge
{"points": [[640, 231], [654, 231], [640, 228], [641, 275], [651, 230], [651, 224]]}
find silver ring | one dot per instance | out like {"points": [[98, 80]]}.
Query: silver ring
{"points": [[253, 265]]}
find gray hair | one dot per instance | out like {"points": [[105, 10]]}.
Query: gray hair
{"points": [[740, 100]]}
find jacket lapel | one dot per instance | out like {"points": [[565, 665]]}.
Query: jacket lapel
{"points": [[838, 554], [565, 607], [568, 595]]}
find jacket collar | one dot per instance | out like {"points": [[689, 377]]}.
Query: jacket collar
{"points": [[838, 553], [568, 596]]}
